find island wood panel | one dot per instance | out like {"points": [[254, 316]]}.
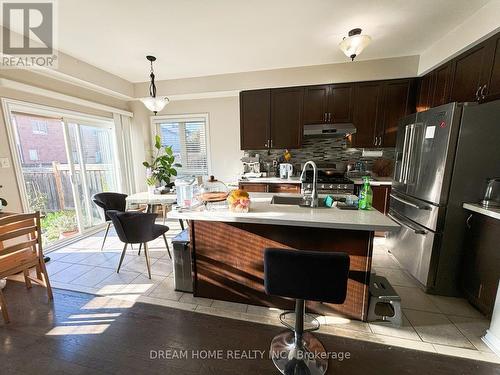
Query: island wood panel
{"points": [[229, 262]]}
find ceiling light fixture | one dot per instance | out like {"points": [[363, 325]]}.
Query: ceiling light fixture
{"points": [[354, 43], [153, 103]]}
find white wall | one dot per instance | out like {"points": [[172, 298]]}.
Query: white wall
{"points": [[478, 27]]}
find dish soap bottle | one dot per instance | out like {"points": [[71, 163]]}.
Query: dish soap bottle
{"points": [[365, 195]]}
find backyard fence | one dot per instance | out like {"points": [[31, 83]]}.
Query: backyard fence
{"points": [[49, 187]]}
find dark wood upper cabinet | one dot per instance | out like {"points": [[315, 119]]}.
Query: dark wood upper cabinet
{"points": [[441, 85], [491, 75], [367, 99], [286, 117], [316, 104], [398, 102], [425, 89], [328, 104], [255, 119], [467, 74], [340, 103]]}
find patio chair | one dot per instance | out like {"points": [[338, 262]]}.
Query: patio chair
{"points": [[138, 228], [21, 250]]}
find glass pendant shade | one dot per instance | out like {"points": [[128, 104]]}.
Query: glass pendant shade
{"points": [[155, 104], [354, 44]]}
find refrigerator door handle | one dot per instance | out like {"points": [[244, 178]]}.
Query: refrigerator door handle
{"points": [[400, 222], [405, 154], [410, 203], [408, 158]]}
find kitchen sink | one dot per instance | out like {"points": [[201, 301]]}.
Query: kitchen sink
{"points": [[294, 201]]}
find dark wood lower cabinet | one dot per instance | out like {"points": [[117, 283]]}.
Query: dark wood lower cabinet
{"points": [[229, 262], [481, 261], [255, 187]]}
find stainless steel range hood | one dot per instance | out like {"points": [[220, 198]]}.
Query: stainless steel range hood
{"points": [[328, 130]]}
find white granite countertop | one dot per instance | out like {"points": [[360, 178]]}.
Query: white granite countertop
{"points": [[263, 212], [271, 180], [475, 207], [378, 181]]}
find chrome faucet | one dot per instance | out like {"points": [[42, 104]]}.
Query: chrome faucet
{"points": [[314, 193]]}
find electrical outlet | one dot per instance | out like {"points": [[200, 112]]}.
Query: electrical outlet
{"points": [[4, 163]]}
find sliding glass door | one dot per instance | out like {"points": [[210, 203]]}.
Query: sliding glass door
{"points": [[64, 161]]}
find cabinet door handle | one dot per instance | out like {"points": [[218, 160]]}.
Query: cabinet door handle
{"points": [[477, 92], [324, 117], [329, 117], [467, 222], [483, 95], [271, 143], [266, 144]]}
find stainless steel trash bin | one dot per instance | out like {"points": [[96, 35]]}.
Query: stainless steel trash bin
{"points": [[183, 269]]}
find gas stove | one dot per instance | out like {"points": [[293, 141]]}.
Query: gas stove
{"points": [[331, 180]]}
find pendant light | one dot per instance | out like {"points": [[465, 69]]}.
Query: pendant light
{"points": [[354, 43], [154, 103]]}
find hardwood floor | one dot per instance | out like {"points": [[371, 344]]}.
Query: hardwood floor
{"points": [[83, 334]]}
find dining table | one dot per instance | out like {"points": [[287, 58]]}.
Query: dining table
{"points": [[151, 200]]}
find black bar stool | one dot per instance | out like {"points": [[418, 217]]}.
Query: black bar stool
{"points": [[303, 275]]}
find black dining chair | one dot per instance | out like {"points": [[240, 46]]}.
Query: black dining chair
{"points": [[303, 275], [109, 201], [137, 228]]}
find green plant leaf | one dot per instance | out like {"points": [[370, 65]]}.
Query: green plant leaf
{"points": [[177, 165], [168, 150], [146, 164], [157, 142], [173, 172]]}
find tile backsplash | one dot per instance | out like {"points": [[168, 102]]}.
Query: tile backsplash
{"points": [[323, 150]]}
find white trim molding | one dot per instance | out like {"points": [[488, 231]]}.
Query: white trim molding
{"points": [[185, 116], [14, 85]]}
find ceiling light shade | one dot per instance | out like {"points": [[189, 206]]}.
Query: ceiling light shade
{"points": [[355, 43], [153, 103]]}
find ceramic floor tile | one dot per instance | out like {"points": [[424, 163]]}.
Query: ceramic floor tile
{"points": [[115, 283], [455, 306], [71, 273], [142, 284], [189, 298], [395, 276], [473, 329], [231, 306], [103, 259], [384, 261], [138, 264], [270, 312], [162, 267], [466, 353], [76, 257], [93, 277], [54, 267], [406, 331], [437, 329], [165, 290], [415, 299]]}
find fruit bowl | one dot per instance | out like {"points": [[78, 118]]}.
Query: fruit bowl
{"points": [[238, 201]]}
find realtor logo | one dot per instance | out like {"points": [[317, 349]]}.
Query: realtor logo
{"points": [[28, 34]]}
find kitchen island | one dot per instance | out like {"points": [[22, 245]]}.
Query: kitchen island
{"points": [[228, 249]]}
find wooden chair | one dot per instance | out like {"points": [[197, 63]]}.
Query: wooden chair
{"points": [[22, 252]]}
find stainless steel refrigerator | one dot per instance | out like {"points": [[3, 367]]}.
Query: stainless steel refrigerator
{"points": [[443, 158]]}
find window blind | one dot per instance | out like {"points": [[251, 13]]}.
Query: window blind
{"points": [[189, 143]]}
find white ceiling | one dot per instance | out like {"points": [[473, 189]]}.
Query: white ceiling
{"points": [[204, 37]]}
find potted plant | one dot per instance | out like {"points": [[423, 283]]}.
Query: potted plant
{"points": [[163, 166]]}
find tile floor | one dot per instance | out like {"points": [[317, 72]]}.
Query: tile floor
{"points": [[438, 324]]}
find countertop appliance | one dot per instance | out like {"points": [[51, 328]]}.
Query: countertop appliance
{"points": [[329, 130], [492, 195], [331, 180], [442, 156], [286, 170]]}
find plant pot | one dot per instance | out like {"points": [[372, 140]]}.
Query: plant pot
{"points": [[68, 234], [151, 189]]}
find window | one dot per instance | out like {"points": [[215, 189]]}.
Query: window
{"points": [[39, 127], [33, 154], [188, 137]]}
